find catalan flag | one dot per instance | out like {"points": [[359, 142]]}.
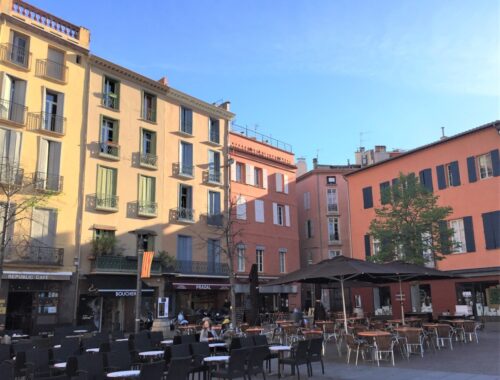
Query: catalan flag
{"points": [[147, 261]]}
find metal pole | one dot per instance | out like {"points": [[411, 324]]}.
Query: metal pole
{"points": [[343, 304], [401, 300], [138, 288]]}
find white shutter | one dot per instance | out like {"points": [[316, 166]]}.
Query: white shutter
{"points": [[241, 208], [286, 184], [4, 148], [233, 171], [279, 182], [259, 211], [264, 178], [275, 213], [250, 175], [54, 158], [14, 147], [43, 156], [19, 93], [287, 216], [6, 91], [60, 111], [43, 226], [44, 99]]}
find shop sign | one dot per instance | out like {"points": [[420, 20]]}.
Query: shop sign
{"points": [[181, 286], [125, 293], [35, 276]]}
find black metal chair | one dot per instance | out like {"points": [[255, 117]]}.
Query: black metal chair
{"points": [[299, 356], [142, 342], [120, 346], [22, 346], [117, 361], [5, 352], [7, 371], [152, 371], [69, 347], [255, 362], [315, 354], [91, 367], [236, 366], [179, 368], [180, 351], [200, 351], [38, 362], [156, 338]]}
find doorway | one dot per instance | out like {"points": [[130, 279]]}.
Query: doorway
{"points": [[20, 311]]}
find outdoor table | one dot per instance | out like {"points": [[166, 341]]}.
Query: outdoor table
{"points": [[284, 322], [60, 365], [216, 360], [150, 355], [124, 374], [20, 336], [215, 345], [434, 325], [405, 329], [167, 342], [57, 346], [80, 331], [281, 352], [92, 350], [121, 340], [254, 330]]}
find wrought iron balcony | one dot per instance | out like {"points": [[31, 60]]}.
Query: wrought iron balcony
{"points": [[110, 100], [213, 177], [11, 174], [148, 160], [13, 112], [48, 122], [332, 208], [34, 254], [183, 214], [121, 264], [109, 150], [183, 170], [214, 137], [149, 114], [201, 267], [48, 182], [106, 202], [51, 70], [17, 55], [149, 209], [215, 220]]}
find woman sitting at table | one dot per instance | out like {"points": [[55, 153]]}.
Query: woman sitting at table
{"points": [[207, 333]]}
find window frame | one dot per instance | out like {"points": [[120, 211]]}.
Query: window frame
{"points": [[280, 214], [460, 244], [154, 107], [240, 254], [240, 168], [211, 122], [489, 168], [259, 259], [333, 221], [332, 190], [116, 94], [282, 260]]}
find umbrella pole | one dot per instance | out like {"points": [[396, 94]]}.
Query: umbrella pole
{"points": [[401, 301], [343, 304]]}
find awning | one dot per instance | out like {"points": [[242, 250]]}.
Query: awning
{"points": [[183, 286], [116, 285], [35, 275], [263, 289]]}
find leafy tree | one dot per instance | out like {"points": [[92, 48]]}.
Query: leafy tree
{"points": [[410, 225]]}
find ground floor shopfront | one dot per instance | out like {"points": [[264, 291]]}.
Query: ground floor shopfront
{"points": [[276, 298]]}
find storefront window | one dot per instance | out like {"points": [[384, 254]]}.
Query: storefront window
{"points": [[421, 300], [47, 302], [382, 300]]}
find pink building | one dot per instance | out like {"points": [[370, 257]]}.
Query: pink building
{"points": [[322, 201], [266, 229]]}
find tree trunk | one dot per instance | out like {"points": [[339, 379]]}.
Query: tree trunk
{"points": [[3, 242]]}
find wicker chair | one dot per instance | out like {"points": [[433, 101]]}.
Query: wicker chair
{"points": [[354, 345], [444, 333], [384, 345], [470, 330], [413, 341]]}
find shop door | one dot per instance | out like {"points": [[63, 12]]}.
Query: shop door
{"points": [[20, 311]]}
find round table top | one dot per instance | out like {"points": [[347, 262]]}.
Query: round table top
{"points": [[312, 331], [456, 320], [434, 324], [151, 353], [218, 358], [60, 365], [280, 348], [254, 329], [92, 350], [121, 340], [57, 346], [213, 345], [20, 336], [284, 321], [80, 331], [167, 341], [373, 333], [185, 327], [129, 373], [403, 329]]}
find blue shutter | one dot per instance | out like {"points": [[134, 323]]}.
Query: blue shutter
{"points": [[470, 243], [455, 173], [426, 179], [491, 226], [367, 197], [471, 169], [189, 121], [385, 195], [495, 161], [441, 177], [395, 181], [368, 248], [443, 236]]}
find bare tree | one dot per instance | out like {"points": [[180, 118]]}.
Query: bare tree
{"points": [[19, 194]]}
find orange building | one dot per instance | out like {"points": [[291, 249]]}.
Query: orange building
{"points": [[463, 170], [262, 187]]}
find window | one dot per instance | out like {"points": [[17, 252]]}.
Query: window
{"points": [[53, 112], [106, 188], [214, 209], [184, 253], [458, 235], [282, 257], [186, 159], [214, 166], [309, 257], [109, 137], [260, 259], [149, 107], [186, 121], [240, 172], [367, 197], [257, 177], [331, 200], [334, 253], [10, 149], [240, 252], [333, 230], [281, 215], [491, 226], [213, 131], [13, 99], [241, 208], [147, 196], [485, 165], [47, 302], [111, 93], [307, 200], [103, 234], [281, 183], [259, 211], [213, 256], [49, 162], [385, 192], [309, 229], [19, 49], [43, 228], [448, 175], [185, 202], [148, 155], [425, 177], [376, 246], [55, 67], [146, 242], [368, 248], [331, 180], [382, 300]]}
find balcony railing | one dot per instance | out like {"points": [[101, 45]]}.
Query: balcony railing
{"points": [[333, 207], [201, 267], [183, 170], [183, 214], [147, 209], [149, 115], [148, 160], [121, 264], [10, 173], [51, 70], [48, 182], [34, 254], [214, 177], [106, 202], [110, 100], [13, 111], [18, 55], [215, 219], [109, 150], [48, 122]]}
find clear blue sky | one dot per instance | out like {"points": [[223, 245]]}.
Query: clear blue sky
{"points": [[314, 73]]}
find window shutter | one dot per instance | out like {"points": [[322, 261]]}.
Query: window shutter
{"points": [[275, 213], [43, 156], [491, 226], [44, 100], [286, 183], [470, 244], [14, 147], [368, 248], [259, 211], [189, 121], [241, 208], [441, 177], [264, 178], [4, 140], [471, 169], [443, 227], [250, 175], [495, 161], [233, 171], [54, 159], [385, 195], [306, 225], [367, 197], [60, 111], [455, 172], [279, 182], [426, 179], [153, 143], [287, 215], [142, 188]]}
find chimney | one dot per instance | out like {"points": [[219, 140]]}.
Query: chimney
{"points": [[226, 106], [164, 81], [301, 166], [315, 163], [443, 136]]}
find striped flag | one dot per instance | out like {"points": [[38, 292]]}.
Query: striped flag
{"points": [[147, 261]]}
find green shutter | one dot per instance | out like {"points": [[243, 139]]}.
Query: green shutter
{"points": [[153, 143]]}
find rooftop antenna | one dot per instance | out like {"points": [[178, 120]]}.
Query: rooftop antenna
{"points": [[443, 136]]}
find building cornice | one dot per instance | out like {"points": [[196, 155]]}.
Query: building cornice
{"points": [[260, 158], [168, 92], [339, 170]]}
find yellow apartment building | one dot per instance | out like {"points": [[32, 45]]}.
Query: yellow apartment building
{"points": [[42, 67], [154, 181]]}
